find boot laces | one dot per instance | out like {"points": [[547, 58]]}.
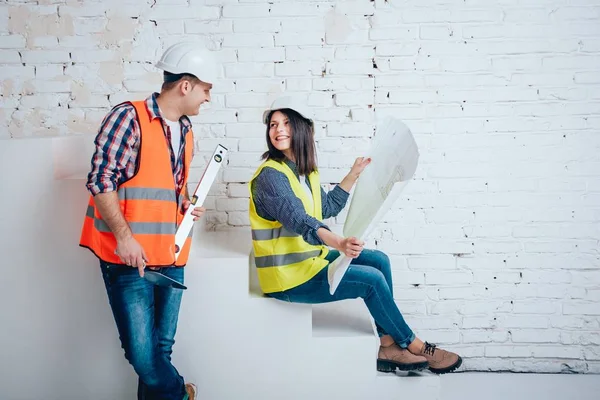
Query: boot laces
{"points": [[429, 348]]}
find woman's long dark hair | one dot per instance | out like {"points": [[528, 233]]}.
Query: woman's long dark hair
{"points": [[303, 142]]}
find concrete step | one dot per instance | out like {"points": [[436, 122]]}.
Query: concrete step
{"points": [[231, 341], [346, 318]]}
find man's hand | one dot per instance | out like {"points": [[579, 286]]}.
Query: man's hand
{"points": [[197, 212], [132, 254]]}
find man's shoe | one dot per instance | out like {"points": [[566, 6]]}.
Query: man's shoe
{"points": [[190, 390], [440, 361], [394, 357]]}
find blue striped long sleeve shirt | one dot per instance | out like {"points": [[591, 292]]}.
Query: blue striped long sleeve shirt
{"points": [[276, 201]]}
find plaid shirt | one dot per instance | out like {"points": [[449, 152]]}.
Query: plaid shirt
{"points": [[118, 144]]}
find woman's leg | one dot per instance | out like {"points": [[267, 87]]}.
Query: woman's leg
{"points": [[359, 281], [380, 261], [370, 284], [373, 282]]}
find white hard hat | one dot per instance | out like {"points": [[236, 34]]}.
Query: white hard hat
{"points": [[190, 58], [288, 102]]}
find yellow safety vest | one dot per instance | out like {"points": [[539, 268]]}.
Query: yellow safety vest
{"points": [[284, 259]]}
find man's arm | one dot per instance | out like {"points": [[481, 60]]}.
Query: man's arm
{"points": [[116, 148], [114, 162], [108, 207]]}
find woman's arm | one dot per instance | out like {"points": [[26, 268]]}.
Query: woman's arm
{"points": [[349, 246], [275, 200], [335, 201]]}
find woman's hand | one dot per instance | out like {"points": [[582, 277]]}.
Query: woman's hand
{"points": [[359, 166], [351, 247]]}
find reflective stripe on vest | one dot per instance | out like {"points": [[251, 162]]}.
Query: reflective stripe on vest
{"points": [[268, 234], [138, 193], [284, 259], [141, 228], [149, 200]]}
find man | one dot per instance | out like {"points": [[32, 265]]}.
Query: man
{"points": [[138, 195]]}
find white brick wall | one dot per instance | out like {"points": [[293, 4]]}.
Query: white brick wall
{"points": [[495, 243]]}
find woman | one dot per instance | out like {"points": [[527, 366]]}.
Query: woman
{"points": [[291, 243]]}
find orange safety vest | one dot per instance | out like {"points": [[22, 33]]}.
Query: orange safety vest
{"points": [[148, 200]]}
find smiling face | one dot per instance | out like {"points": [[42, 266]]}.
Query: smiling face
{"points": [[290, 135], [186, 93], [280, 133], [194, 96]]}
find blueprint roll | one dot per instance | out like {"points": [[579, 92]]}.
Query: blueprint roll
{"points": [[394, 158]]}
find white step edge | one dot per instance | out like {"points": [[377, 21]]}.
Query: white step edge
{"points": [[344, 318]]}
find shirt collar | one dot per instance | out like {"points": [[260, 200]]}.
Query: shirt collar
{"points": [[292, 166], [154, 111]]}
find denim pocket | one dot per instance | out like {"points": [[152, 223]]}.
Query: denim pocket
{"points": [[117, 274]]}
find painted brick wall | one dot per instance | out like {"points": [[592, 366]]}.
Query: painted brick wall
{"points": [[495, 243]]}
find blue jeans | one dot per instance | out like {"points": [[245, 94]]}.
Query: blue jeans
{"points": [[146, 318], [369, 277]]}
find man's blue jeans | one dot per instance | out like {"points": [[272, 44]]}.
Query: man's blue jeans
{"points": [[369, 277], [146, 318]]}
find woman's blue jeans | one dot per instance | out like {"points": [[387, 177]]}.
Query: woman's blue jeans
{"points": [[369, 277]]}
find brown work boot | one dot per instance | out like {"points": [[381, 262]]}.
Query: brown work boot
{"points": [[440, 361], [394, 357], [190, 390]]}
